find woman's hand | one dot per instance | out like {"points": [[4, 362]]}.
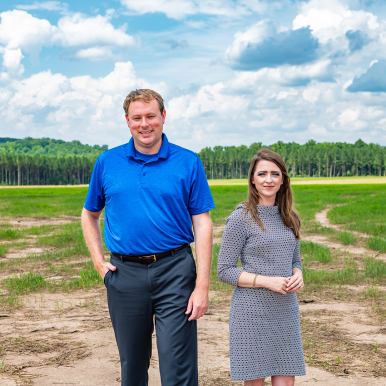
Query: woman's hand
{"points": [[277, 284], [295, 282]]}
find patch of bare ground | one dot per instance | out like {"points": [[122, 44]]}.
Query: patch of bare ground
{"points": [[38, 221], [322, 218], [25, 252], [68, 339], [217, 233]]}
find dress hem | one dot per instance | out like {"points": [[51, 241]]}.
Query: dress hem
{"points": [[266, 376]]}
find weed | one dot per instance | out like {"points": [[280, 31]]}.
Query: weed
{"points": [[338, 359], [2, 364], [376, 347], [346, 238], [4, 248], [316, 252], [376, 243]]}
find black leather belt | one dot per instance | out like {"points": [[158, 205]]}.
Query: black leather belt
{"points": [[148, 259]]}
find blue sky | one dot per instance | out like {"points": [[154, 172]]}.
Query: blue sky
{"points": [[231, 72]]}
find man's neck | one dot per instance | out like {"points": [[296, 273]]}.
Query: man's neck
{"points": [[154, 149]]}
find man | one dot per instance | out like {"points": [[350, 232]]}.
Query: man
{"points": [[153, 192]]}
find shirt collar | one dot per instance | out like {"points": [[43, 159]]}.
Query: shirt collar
{"points": [[162, 153]]}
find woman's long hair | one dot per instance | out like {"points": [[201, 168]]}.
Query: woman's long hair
{"points": [[283, 200]]}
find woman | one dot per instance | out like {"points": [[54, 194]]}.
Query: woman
{"points": [[264, 321]]}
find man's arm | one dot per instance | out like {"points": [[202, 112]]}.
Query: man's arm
{"points": [[203, 234], [92, 234]]}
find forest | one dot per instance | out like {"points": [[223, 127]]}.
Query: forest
{"points": [[311, 159], [46, 161], [55, 162]]}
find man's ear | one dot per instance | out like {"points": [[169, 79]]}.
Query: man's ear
{"points": [[163, 116], [127, 120]]}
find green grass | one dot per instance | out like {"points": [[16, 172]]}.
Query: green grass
{"points": [[374, 268], [42, 202], [226, 199], [316, 252], [4, 249], [361, 211], [64, 236], [376, 243], [322, 277], [32, 282], [346, 238], [22, 284], [365, 214], [10, 234]]}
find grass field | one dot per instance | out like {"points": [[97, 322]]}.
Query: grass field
{"points": [[59, 261]]}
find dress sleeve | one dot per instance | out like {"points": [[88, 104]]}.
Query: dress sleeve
{"points": [[296, 258], [233, 241]]}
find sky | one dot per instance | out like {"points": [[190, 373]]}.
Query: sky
{"points": [[231, 72]]}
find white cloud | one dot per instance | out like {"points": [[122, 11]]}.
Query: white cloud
{"points": [[78, 30], [285, 94], [284, 75], [255, 34], [329, 20], [317, 132], [91, 107], [46, 5], [94, 54], [311, 94], [348, 116], [11, 61], [20, 30], [179, 9]]}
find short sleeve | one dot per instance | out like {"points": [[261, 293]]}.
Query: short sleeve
{"points": [[200, 198], [95, 200]]}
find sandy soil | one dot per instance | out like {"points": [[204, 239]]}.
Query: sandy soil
{"points": [[36, 221], [65, 339]]}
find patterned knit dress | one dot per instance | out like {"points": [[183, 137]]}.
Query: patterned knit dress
{"points": [[264, 325]]}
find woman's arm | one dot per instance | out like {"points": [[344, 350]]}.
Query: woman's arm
{"points": [[233, 241], [295, 282], [276, 284]]}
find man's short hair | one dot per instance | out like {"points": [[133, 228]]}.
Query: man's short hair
{"points": [[144, 95]]}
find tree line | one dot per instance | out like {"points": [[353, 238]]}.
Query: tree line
{"points": [[49, 147], [46, 161], [325, 159], [19, 169], [75, 166]]}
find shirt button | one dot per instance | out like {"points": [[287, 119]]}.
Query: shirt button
{"points": [[144, 174]]}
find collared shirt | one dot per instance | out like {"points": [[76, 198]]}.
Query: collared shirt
{"points": [[149, 203]]}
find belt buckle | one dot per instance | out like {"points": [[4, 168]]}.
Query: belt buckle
{"points": [[153, 256]]}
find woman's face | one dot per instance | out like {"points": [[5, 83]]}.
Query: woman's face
{"points": [[267, 179]]}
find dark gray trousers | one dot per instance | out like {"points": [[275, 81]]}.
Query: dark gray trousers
{"points": [[136, 292]]}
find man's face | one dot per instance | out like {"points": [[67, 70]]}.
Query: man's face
{"points": [[146, 123]]}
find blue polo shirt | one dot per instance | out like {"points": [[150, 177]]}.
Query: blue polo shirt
{"points": [[149, 202]]}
